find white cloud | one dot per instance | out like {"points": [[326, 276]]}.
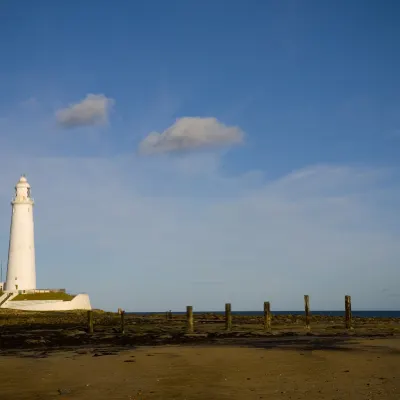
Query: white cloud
{"points": [[191, 133], [92, 110], [31, 103]]}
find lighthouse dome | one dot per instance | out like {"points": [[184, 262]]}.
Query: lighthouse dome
{"points": [[23, 182], [22, 191]]}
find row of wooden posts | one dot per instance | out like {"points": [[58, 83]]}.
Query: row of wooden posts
{"points": [[228, 316], [267, 315]]}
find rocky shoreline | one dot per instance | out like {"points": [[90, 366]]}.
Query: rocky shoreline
{"points": [[41, 330]]}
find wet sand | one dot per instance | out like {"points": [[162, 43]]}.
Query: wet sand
{"points": [[238, 368]]}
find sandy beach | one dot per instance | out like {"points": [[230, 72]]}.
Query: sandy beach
{"points": [[53, 355], [301, 368]]}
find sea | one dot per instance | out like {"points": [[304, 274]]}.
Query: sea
{"points": [[360, 314]]}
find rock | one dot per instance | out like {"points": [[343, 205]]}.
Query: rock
{"points": [[73, 333], [196, 335], [42, 354], [36, 341], [63, 392], [261, 334], [165, 337], [104, 353]]}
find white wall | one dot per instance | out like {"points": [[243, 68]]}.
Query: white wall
{"points": [[79, 302]]}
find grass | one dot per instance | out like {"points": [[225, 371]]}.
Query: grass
{"points": [[44, 296]]}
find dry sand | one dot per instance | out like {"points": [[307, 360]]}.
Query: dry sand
{"points": [[356, 369]]}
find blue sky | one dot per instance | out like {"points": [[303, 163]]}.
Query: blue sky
{"points": [[199, 153]]}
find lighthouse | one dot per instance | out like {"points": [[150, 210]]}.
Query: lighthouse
{"points": [[20, 291], [21, 270]]}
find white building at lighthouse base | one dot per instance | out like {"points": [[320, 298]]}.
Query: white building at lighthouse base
{"points": [[78, 302]]}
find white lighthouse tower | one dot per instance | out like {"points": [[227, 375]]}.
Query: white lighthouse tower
{"points": [[21, 270]]}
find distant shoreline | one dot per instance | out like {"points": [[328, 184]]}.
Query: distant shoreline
{"points": [[333, 313]]}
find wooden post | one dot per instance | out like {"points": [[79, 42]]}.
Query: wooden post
{"points": [[228, 316], [267, 316], [189, 316], [123, 322], [307, 310], [347, 304], [170, 315], [90, 321]]}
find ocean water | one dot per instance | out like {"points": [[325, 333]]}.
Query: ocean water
{"points": [[361, 314]]}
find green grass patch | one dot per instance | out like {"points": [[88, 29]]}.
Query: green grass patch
{"points": [[44, 296]]}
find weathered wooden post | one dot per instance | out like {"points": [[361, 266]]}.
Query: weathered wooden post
{"points": [[90, 321], [267, 316], [228, 316], [347, 304], [122, 322], [189, 316], [307, 310]]}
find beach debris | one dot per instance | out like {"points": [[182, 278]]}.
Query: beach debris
{"points": [[63, 392], [39, 340], [105, 353]]}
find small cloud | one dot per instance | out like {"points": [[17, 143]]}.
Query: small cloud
{"points": [[92, 110], [189, 133], [30, 103]]}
